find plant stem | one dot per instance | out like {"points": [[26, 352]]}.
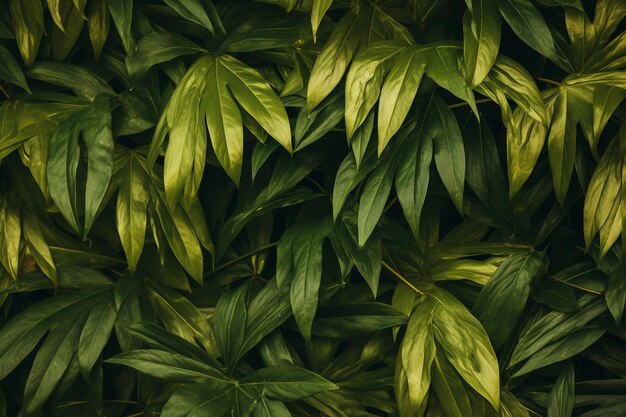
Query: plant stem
{"points": [[401, 278], [548, 81], [465, 103], [244, 256], [5, 92]]}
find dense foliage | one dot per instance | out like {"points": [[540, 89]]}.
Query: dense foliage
{"points": [[301, 208]]}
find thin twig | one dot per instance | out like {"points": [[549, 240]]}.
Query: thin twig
{"points": [[244, 256], [5, 92], [548, 81], [465, 103], [401, 278]]}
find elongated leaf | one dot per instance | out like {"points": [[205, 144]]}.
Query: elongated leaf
{"points": [[10, 70], [157, 48], [27, 17], [132, 206], [529, 25], [82, 81], [352, 320], [561, 400], [501, 302], [51, 362], [448, 150], [122, 14], [11, 230], [449, 388], [194, 11], [229, 323], [95, 333], [169, 366], [554, 326], [417, 352], [98, 25], [94, 124], [563, 349], [413, 173], [194, 400], [307, 274], [318, 10], [467, 346], [481, 39], [287, 383]]}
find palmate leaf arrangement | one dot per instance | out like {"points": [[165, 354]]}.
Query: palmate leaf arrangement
{"points": [[298, 208]]}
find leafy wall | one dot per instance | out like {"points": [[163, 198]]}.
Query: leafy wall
{"points": [[312, 208]]}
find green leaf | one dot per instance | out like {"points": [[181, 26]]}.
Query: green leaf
{"points": [[157, 48], [93, 124], [180, 316], [529, 25], [417, 352], [483, 171], [170, 366], [355, 319], [51, 362], [160, 339], [307, 273], [38, 247], [80, 80], [397, 94], [267, 408], [561, 400], [562, 140], [96, 333], [466, 346], [562, 349], [333, 60], [449, 388], [132, 206], [318, 10], [448, 150], [28, 23], [208, 398], [376, 191], [348, 177], [481, 39], [63, 40], [554, 326], [413, 173], [122, 14], [98, 23], [368, 258], [501, 302], [180, 234], [194, 11], [10, 70], [287, 383], [11, 230], [229, 324]]}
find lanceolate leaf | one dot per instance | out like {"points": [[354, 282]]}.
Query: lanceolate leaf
{"points": [[28, 22], [501, 301], [529, 25], [10, 70], [93, 124], [481, 39], [216, 86]]}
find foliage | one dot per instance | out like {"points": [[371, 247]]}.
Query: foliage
{"points": [[299, 208]]}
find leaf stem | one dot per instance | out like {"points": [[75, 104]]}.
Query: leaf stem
{"points": [[548, 81], [244, 256], [465, 103], [401, 278], [5, 92]]}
